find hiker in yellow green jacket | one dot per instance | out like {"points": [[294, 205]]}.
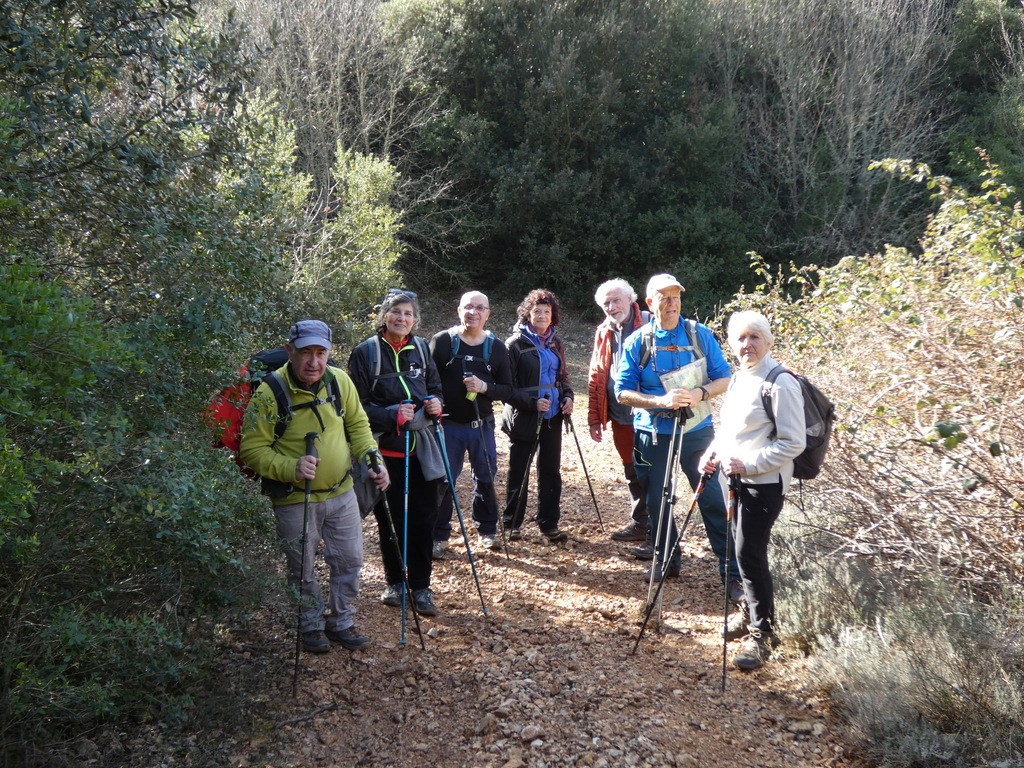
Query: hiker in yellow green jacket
{"points": [[317, 398]]}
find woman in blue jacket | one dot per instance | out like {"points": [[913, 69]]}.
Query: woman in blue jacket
{"points": [[533, 416]]}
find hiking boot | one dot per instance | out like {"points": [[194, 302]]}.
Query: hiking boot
{"points": [[632, 532], [555, 536], [348, 638], [737, 626], [315, 641], [392, 595], [515, 534], [489, 541], [437, 553], [737, 595], [643, 552], [671, 573], [755, 651], [423, 599]]}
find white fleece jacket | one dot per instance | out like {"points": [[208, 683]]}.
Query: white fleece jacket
{"points": [[745, 431]]}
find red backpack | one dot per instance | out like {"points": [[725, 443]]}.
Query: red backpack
{"points": [[226, 409]]}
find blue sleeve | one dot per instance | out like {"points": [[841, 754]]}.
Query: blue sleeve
{"points": [[627, 375], [718, 366]]}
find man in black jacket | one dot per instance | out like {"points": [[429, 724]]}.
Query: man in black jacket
{"points": [[475, 372]]}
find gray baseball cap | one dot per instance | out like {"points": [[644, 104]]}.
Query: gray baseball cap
{"points": [[310, 333]]}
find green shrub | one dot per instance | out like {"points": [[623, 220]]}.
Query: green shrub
{"points": [[898, 567]]}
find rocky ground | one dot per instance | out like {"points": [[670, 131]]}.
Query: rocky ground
{"points": [[547, 677]]}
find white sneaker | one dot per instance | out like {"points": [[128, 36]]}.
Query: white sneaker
{"points": [[489, 541], [439, 549]]}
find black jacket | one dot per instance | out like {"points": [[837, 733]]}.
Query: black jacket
{"points": [[519, 418], [404, 375], [496, 371]]}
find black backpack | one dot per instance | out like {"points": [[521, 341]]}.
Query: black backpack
{"points": [[819, 416]]}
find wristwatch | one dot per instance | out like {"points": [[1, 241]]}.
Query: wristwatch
{"points": [[703, 394]]}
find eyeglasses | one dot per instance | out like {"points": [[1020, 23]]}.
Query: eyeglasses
{"points": [[477, 307], [401, 292]]}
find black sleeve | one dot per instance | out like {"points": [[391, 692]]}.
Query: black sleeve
{"points": [[500, 386]]}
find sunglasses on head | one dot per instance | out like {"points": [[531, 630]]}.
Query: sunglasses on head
{"points": [[401, 292]]}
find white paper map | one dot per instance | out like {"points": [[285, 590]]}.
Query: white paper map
{"points": [[690, 376]]}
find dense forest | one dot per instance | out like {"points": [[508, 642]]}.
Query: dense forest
{"points": [[179, 180]]}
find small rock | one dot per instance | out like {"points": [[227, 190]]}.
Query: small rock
{"points": [[530, 732], [488, 724]]}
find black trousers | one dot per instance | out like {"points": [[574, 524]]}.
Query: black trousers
{"points": [[424, 496], [549, 477], [759, 507]]}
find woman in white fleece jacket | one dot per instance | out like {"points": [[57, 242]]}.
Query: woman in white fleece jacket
{"points": [[761, 453]]}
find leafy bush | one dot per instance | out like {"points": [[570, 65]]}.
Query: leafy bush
{"points": [[153, 219], [912, 533]]}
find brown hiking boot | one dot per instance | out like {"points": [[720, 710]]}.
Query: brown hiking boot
{"points": [[755, 651], [737, 626], [632, 532]]}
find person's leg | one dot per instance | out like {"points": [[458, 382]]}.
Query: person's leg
{"points": [[455, 443], [395, 496], [423, 502], [302, 570], [711, 502], [622, 435], [759, 508], [483, 459], [650, 459], [515, 508], [549, 475], [343, 552]]}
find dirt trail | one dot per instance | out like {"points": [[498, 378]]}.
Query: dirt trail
{"points": [[546, 679]]}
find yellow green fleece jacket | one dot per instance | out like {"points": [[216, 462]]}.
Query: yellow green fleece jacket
{"points": [[276, 460]]}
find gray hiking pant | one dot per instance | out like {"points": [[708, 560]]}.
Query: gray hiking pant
{"points": [[336, 522]]}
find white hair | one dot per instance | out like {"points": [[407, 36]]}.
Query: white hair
{"points": [[748, 319], [615, 284]]}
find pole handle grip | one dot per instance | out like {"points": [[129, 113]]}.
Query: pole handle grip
{"points": [[311, 438]]}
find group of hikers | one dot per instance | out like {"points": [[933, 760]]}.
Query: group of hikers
{"points": [[414, 410]]}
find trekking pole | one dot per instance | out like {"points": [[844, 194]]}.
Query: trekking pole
{"points": [[439, 432], [406, 594], [311, 438], [375, 466], [490, 475], [661, 582], [667, 500], [730, 514], [667, 519], [520, 511], [570, 427]]}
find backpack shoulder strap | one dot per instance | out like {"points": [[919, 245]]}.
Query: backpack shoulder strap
{"points": [[283, 400], [334, 396], [421, 345], [454, 338], [372, 347], [488, 344], [691, 332], [647, 344], [766, 400]]}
